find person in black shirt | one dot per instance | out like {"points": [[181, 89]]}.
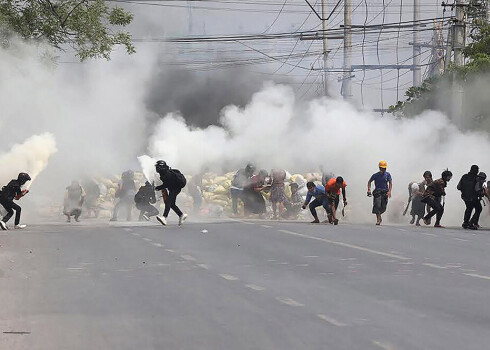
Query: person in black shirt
{"points": [[144, 199], [467, 186], [173, 182], [12, 191]]}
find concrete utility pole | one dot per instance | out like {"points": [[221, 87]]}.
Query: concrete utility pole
{"points": [[458, 45], [346, 82], [416, 44], [325, 46]]}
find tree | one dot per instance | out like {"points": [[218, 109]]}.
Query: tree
{"points": [[91, 27], [473, 77]]}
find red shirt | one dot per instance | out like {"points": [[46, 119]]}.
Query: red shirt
{"points": [[331, 186]]}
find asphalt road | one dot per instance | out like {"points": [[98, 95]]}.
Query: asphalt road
{"points": [[244, 285]]}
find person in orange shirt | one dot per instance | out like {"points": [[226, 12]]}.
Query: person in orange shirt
{"points": [[332, 191]]}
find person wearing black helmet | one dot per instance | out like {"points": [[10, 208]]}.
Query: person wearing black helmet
{"points": [[144, 199], [125, 192], [173, 183], [13, 190], [481, 191], [468, 187], [434, 191], [240, 179]]}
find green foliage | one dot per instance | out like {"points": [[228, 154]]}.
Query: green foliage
{"points": [[90, 27]]}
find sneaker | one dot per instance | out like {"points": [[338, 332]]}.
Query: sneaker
{"points": [[412, 221], [427, 222], [20, 226], [465, 226], [316, 221], [336, 222], [438, 225], [77, 219], [182, 219], [3, 225], [162, 220], [146, 217]]}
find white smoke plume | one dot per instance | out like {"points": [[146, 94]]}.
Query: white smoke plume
{"points": [[274, 130], [31, 156]]}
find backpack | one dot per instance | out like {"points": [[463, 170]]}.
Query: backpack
{"points": [[181, 180], [467, 186], [139, 197], [479, 188]]}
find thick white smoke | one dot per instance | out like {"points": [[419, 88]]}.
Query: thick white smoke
{"points": [[273, 130], [31, 156]]}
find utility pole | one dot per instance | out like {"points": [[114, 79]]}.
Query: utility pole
{"points": [[325, 46], [416, 44], [458, 45], [346, 81]]}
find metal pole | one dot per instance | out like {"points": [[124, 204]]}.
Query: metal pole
{"points": [[458, 45], [325, 47], [346, 82], [416, 44]]}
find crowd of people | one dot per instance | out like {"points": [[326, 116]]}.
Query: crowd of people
{"points": [[427, 197]]}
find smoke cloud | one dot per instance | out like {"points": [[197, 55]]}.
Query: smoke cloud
{"points": [[275, 131], [31, 156]]}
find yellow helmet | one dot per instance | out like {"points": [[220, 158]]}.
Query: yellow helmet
{"points": [[383, 164]]}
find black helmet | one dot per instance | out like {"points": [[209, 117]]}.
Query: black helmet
{"points": [[482, 175], [250, 169], [23, 178], [447, 175], [427, 173], [339, 180], [161, 165]]}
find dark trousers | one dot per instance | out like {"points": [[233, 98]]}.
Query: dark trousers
{"points": [[316, 203], [126, 202], [146, 208], [332, 199], [470, 205], [380, 201], [10, 206], [73, 212], [235, 194], [170, 202], [437, 209]]}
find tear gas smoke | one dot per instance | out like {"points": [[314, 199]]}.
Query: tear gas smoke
{"points": [[274, 130], [31, 156], [94, 110], [148, 167]]}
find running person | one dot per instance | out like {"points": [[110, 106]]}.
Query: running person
{"points": [[383, 185], [332, 191], [13, 190]]}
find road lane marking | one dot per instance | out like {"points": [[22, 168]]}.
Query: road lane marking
{"points": [[203, 266], [188, 257], [255, 287], [477, 276], [136, 234], [331, 320], [435, 266], [384, 345], [427, 234], [127, 229], [282, 263], [228, 277], [347, 245], [265, 226], [289, 301], [170, 250], [157, 245], [302, 265], [311, 256], [247, 223], [461, 239], [75, 268], [147, 239]]}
